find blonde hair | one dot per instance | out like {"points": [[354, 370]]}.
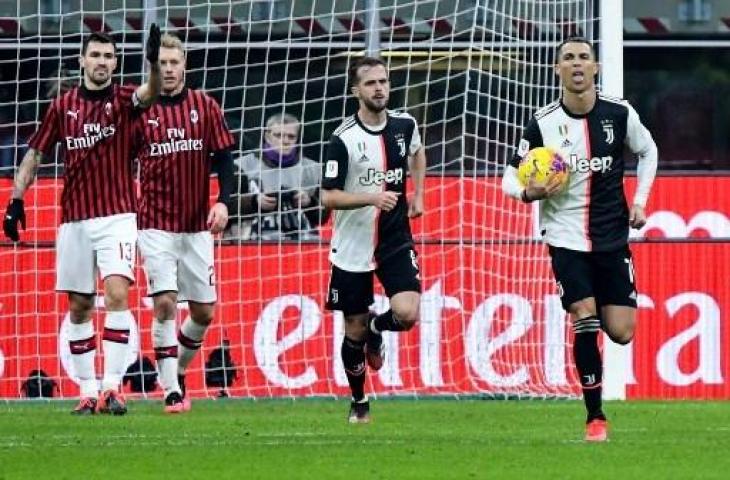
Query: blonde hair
{"points": [[170, 40]]}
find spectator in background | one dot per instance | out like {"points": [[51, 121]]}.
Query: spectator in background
{"points": [[279, 185]]}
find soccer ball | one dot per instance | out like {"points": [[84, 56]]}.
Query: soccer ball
{"points": [[544, 163]]}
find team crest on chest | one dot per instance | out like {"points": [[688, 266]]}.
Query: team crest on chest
{"points": [[401, 144], [607, 126], [108, 109], [194, 116]]}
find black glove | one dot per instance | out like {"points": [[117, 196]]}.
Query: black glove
{"points": [[153, 44], [14, 214]]}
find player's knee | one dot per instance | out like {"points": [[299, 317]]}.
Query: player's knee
{"points": [[407, 317], [622, 337], [115, 301], [583, 308], [356, 326], [79, 308], [165, 307], [202, 315], [115, 295]]}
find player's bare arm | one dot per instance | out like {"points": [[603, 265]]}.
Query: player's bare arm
{"points": [[147, 93], [417, 167], [26, 172], [335, 199]]}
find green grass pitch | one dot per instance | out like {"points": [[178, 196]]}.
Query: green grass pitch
{"points": [[418, 439]]}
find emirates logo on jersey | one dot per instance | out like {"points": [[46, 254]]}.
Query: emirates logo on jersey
{"points": [[177, 143], [93, 132]]}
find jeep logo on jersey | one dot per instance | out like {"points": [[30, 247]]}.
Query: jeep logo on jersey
{"points": [[376, 177], [595, 164]]}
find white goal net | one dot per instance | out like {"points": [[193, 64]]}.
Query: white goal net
{"points": [[470, 72]]}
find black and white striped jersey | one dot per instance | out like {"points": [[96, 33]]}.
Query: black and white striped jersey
{"points": [[592, 214], [360, 159]]}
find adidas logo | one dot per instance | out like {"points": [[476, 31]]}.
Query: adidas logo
{"points": [[566, 143]]}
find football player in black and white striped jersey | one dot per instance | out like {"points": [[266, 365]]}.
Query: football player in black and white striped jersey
{"points": [[586, 227], [364, 182]]}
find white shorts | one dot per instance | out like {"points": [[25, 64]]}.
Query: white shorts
{"points": [[179, 262], [106, 244]]}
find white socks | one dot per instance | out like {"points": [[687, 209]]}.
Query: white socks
{"points": [[82, 342], [189, 339], [164, 342], [116, 338]]}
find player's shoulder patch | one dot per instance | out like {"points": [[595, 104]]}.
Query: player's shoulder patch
{"points": [[547, 110], [347, 124]]}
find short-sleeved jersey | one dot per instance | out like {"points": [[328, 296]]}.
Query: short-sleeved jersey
{"points": [[592, 214], [360, 159], [94, 128], [175, 139]]}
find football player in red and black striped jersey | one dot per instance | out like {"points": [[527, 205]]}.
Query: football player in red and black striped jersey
{"points": [[93, 123], [181, 138]]}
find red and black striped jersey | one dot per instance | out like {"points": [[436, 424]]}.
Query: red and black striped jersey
{"points": [[175, 138], [94, 128]]}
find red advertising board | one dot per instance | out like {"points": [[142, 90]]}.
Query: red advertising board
{"points": [[475, 208], [491, 323]]}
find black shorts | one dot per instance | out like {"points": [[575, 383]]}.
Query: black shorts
{"points": [[352, 292], [606, 276]]}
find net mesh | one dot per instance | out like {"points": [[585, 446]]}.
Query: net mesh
{"points": [[470, 72]]}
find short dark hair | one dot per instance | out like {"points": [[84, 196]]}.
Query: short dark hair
{"points": [[352, 77], [99, 37], [574, 40]]}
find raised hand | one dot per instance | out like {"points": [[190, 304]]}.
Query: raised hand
{"points": [[152, 50]]}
